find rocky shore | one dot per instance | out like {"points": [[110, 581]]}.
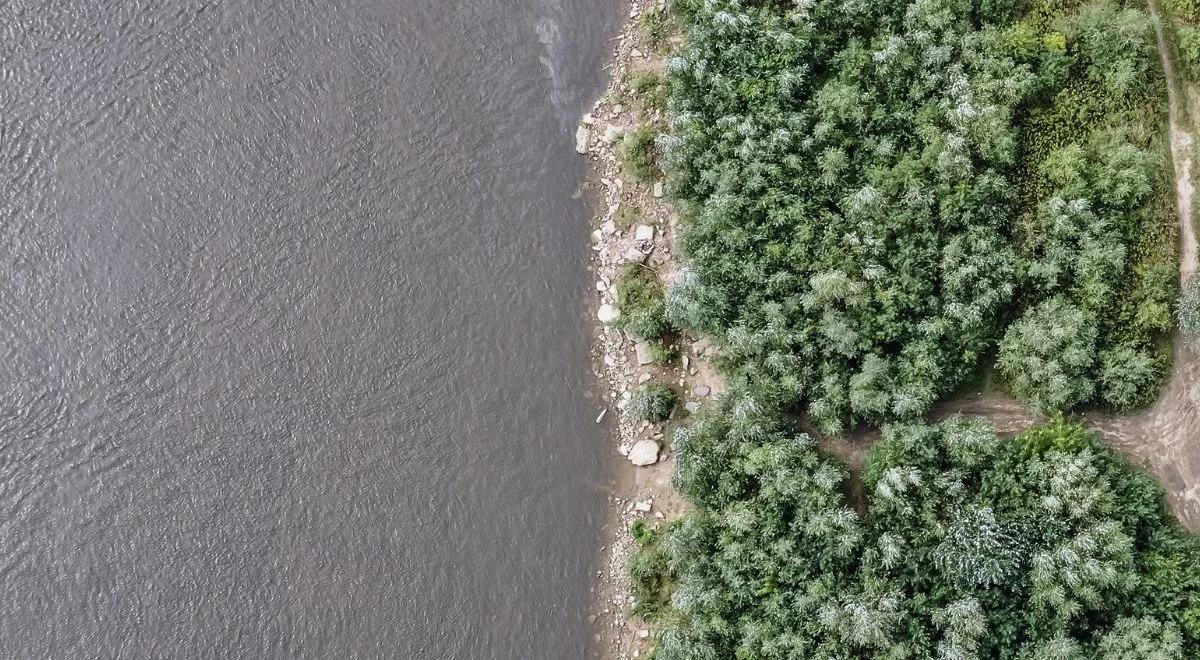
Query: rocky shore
{"points": [[642, 452]]}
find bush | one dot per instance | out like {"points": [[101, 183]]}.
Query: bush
{"points": [[1189, 48], [1130, 378], [643, 310], [639, 156], [1047, 356], [1188, 310], [652, 402], [650, 91]]}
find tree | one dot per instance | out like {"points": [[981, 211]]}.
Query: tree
{"points": [[1047, 356]]}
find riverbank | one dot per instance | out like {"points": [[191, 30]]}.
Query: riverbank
{"points": [[633, 222]]}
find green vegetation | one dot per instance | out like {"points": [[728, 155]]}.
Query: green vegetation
{"points": [[1047, 545], [653, 402], [1189, 310], [650, 92], [639, 155], [657, 26], [875, 195], [880, 200], [643, 309]]}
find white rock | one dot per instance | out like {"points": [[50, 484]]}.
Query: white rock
{"points": [[686, 362], [658, 189], [692, 406], [623, 450], [612, 133], [642, 350], [643, 633], [609, 228], [636, 53], [644, 506], [588, 119], [643, 378], [644, 453], [702, 391], [601, 286], [635, 255], [581, 139], [607, 313], [597, 236], [644, 233]]}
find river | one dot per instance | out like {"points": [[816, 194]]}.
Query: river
{"points": [[294, 356]]}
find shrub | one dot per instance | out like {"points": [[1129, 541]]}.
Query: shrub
{"points": [[650, 91], [1189, 48], [638, 154], [1047, 356], [652, 402], [1188, 310], [1129, 378], [643, 310]]}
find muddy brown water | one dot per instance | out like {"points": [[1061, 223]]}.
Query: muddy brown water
{"points": [[293, 355]]}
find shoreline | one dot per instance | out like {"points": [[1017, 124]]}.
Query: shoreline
{"points": [[636, 492]]}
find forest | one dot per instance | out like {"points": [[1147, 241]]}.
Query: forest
{"points": [[882, 203], [884, 199]]}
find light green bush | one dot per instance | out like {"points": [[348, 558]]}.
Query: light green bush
{"points": [[652, 402]]}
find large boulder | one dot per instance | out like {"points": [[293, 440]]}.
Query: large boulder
{"points": [[607, 313], [644, 453]]}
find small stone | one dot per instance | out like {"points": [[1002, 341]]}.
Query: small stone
{"points": [[636, 53], [581, 139], [623, 450], [702, 391], [686, 362], [644, 506], [643, 633], [609, 228], [597, 236], [643, 378], [644, 453], [618, 109], [588, 119], [612, 133], [635, 255], [692, 407], [601, 286], [642, 350], [644, 233], [660, 515], [607, 313], [658, 189]]}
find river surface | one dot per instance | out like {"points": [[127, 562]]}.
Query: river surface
{"points": [[293, 358]]}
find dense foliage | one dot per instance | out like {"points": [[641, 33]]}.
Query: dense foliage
{"points": [[1043, 546], [876, 194]]}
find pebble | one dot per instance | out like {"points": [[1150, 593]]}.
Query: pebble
{"points": [[643, 378], [607, 313], [702, 391], [644, 233], [692, 407]]}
